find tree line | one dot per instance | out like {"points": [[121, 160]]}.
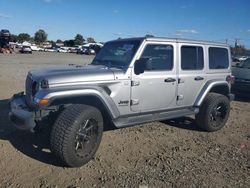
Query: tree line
{"points": [[41, 36], [239, 50]]}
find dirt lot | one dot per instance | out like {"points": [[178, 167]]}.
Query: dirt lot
{"points": [[160, 154]]}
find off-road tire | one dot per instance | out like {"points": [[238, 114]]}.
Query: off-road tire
{"points": [[65, 133], [205, 119]]}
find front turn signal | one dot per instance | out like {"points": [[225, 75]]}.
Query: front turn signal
{"points": [[43, 101]]}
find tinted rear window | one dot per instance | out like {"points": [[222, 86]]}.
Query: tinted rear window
{"points": [[218, 58]]}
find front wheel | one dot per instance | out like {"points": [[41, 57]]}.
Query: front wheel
{"points": [[214, 112], [77, 134]]}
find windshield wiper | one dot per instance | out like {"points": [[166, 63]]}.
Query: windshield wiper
{"points": [[98, 62], [107, 63]]}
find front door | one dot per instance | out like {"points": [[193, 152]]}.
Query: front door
{"points": [[155, 89]]}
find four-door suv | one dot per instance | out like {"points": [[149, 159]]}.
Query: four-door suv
{"points": [[130, 81]]}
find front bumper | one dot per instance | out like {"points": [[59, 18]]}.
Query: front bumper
{"points": [[22, 117]]}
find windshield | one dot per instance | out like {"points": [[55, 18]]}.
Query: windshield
{"points": [[117, 54], [245, 64]]}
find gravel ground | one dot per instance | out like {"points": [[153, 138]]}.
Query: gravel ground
{"points": [[172, 153]]}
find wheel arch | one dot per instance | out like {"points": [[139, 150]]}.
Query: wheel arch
{"points": [[90, 100], [220, 87], [91, 96]]}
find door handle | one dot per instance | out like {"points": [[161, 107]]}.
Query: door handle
{"points": [[198, 78], [169, 80]]}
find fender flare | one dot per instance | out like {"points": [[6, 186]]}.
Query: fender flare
{"points": [[98, 92], [207, 88]]}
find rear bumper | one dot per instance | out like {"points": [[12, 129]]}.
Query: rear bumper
{"points": [[243, 87], [22, 117]]}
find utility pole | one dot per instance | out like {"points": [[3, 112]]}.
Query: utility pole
{"points": [[236, 43]]}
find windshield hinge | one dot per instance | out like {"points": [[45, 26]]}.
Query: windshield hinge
{"points": [[134, 102], [135, 83]]}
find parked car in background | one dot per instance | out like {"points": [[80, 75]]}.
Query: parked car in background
{"points": [[72, 50], [235, 60], [80, 50], [62, 50], [241, 73], [50, 50], [243, 58], [26, 50], [86, 51], [89, 51], [35, 48]]}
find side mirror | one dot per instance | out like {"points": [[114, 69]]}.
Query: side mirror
{"points": [[140, 65]]}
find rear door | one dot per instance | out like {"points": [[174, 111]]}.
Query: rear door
{"points": [[192, 75]]}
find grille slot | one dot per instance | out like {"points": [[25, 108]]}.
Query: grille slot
{"points": [[28, 86], [34, 88], [28, 90]]}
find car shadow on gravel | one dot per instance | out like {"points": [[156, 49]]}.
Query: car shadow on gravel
{"points": [[37, 145], [187, 123], [34, 145]]}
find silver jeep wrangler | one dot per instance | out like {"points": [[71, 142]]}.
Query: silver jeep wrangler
{"points": [[130, 81]]}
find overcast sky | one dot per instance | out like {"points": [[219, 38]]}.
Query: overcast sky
{"points": [[104, 20]]}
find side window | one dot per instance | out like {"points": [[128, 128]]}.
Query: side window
{"points": [[218, 58], [161, 56], [192, 58]]}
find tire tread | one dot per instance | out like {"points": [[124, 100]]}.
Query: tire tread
{"points": [[202, 117], [62, 129]]}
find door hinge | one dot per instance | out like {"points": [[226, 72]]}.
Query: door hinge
{"points": [[180, 97], [180, 81], [135, 83], [134, 102]]}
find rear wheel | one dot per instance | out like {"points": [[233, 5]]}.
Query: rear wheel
{"points": [[77, 134], [214, 112]]}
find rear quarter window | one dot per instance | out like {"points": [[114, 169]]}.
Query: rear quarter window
{"points": [[218, 58]]}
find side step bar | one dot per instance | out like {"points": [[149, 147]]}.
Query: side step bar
{"points": [[144, 118]]}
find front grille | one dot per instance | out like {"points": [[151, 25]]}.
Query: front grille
{"points": [[28, 86], [29, 90]]}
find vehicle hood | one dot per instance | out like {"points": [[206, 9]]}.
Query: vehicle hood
{"points": [[73, 74], [241, 73]]}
